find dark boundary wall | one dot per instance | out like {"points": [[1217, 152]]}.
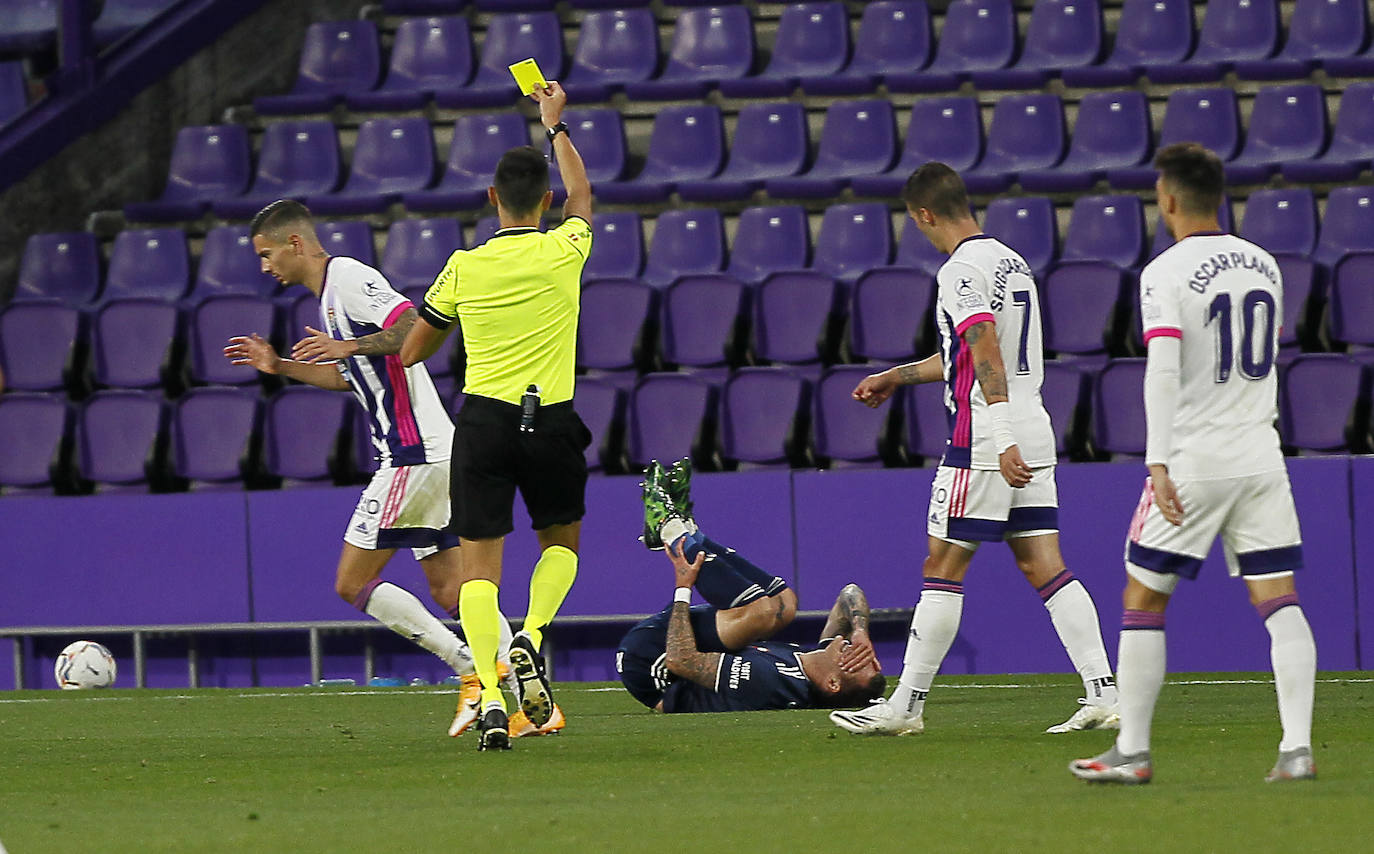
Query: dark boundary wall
{"points": [[126, 158], [270, 556]]}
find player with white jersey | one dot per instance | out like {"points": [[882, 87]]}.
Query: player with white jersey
{"points": [[1211, 310], [406, 504], [996, 480]]}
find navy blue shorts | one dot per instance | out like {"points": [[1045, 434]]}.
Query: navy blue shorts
{"points": [[640, 659]]}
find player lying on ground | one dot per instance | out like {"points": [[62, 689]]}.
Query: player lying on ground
{"points": [[996, 481], [1211, 309], [716, 657]]}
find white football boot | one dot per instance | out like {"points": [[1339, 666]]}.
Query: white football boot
{"points": [[881, 718], [1090, 716]]}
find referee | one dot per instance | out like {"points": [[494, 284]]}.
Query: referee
{"points": [[516, 299]]}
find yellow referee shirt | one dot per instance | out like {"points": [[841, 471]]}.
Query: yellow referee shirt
{"points": [[516, 299]]}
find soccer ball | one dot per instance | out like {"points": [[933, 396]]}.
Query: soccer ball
{"points": [[84, 664]]}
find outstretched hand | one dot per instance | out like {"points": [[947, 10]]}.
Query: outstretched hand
{"points": [[685, 572], [254, 351], [321, 347]]}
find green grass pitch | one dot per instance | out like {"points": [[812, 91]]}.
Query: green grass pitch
{"points": [[372, 770]]}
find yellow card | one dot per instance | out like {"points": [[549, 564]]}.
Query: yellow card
{"points": [[527, 76]]}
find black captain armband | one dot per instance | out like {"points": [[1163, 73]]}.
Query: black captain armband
{"points": [[434, 318]]}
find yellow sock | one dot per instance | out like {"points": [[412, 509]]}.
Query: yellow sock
{"points": [[549, 585], [481, 618]]}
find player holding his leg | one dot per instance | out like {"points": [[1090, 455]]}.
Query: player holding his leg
{"points": [[996, 480], [1210, 307]]}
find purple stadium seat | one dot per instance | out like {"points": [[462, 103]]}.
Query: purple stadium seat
{"points": [[763, 417], [792, 316], [917, 252], [479, 140], [1026, 224], [619, 240], [1149, 33], [685, 242], [687, 144], [1119, 408], [768, 240], [119, 18], [1351, 313], [926, 434], [60, 265], [844, 431], [37, 341], [600, 136], [27, 26], [1026, 133], [709, 44], [441, 364], [209, 326], [337, 59], [889, 314], [1208, 116], [208, 162], [1110, 229], [427, 55], [1359, 65], [1233, 31], [14, 91], [1288, 123], [351, 239], [392, 156], [1061, 34], [33, 426], [130, 341], [510, 38], [152, 262], [1318, 398], [295, 159], [894, 42], [300, 310], [301, 425], [979, 35], [601, 406], [668, 417], [859, 138], [423, 7], [1281, 220], [949, 130], [1081, 303], [212, 435], [417, 249], [699, 322], [228, 265], [1062, 392], [1302, 297], [614, 47], [117, 433], [1318, 30], [812, 41], [853, 239], [1352, 141], [485, 229], [1112, 132], [612, 326], [1348, 225], [1163, 239], [770, 141], [608, 4]]}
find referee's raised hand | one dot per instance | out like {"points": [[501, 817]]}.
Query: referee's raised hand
{"points": [[552, 99]]}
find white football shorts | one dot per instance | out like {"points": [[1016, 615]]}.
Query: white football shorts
{"points": [[404, 507], [968, 506]]}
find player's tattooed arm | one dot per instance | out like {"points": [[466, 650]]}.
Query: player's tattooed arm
{"points": [[981, 339], [321, 347], [683, 657], [388, 341], [848, 615], [929, 370]]}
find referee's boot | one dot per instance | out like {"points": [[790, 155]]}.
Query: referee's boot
{"points": [[493, 731], [531, 682]]}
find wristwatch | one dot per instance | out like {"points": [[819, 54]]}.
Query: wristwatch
{"points": [[561, 127]]}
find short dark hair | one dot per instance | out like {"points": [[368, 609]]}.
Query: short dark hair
{"points": [[1195, 174], [280, 213], [522, 179], [937, 188], [851, 694]]}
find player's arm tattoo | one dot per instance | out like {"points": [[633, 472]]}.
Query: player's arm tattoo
{"points": [[388, 341], [929, 370], [684, 659], [981, 339], [849, 614]]}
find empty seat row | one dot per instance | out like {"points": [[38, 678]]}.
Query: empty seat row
{"points": [[618, 50]]}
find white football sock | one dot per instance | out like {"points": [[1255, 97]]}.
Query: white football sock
{"points": [[504, 637], [933, 628], [1140, 661], [1294, 656], [404, 615], [1075, 619]]}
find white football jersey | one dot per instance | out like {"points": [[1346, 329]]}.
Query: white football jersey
{"points": [[408, 421], [1223, 298], [985, 280]]}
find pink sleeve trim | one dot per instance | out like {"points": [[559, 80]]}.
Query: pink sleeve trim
{"points": [[396, 313], [977, 318], [1163, 332]]}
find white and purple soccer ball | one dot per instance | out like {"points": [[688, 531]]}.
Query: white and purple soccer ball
{"points": [[84, 664]]}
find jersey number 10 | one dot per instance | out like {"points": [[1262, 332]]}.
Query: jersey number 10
{"points": [[1253, 366]]}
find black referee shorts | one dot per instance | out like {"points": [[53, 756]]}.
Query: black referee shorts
{"points": [[492, 458]]}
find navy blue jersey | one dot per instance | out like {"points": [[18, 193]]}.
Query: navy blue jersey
{"points": [[763, 676]]}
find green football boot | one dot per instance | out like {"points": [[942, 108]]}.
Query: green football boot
{"points": [[677, 480]]}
